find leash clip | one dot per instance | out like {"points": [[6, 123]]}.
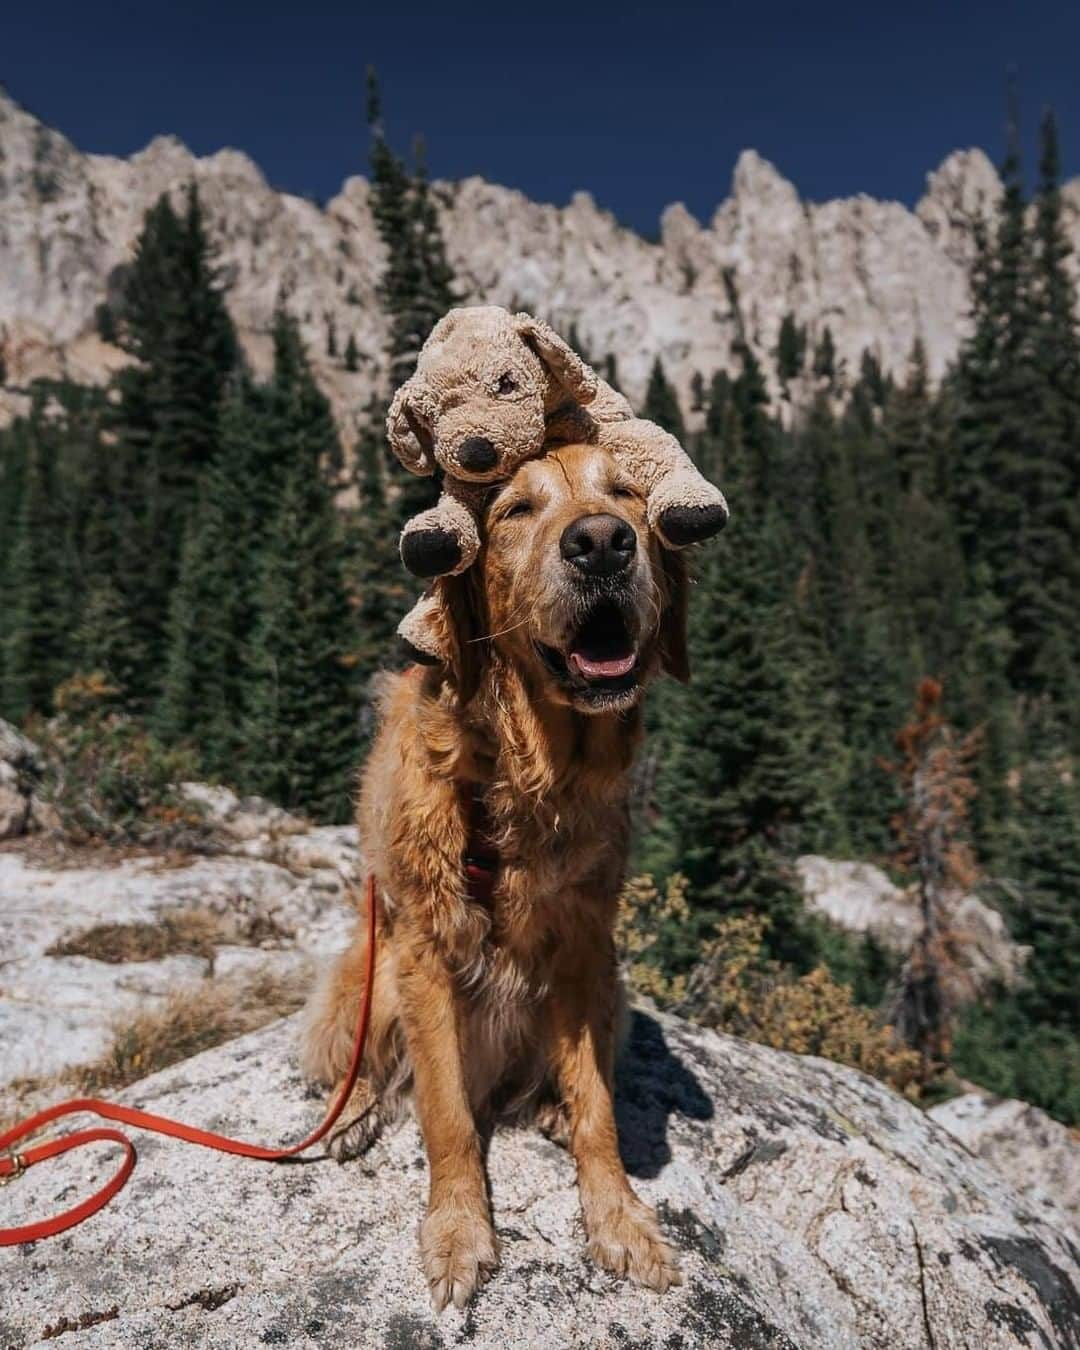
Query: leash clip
{"points": [[18, 1166]]}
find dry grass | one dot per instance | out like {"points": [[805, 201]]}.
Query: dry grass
{"points": [[192, 932], [180, 932], [188, 1022]]}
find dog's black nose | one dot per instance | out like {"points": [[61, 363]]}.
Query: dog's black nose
{"points": [[477, 455], [598, 546]]}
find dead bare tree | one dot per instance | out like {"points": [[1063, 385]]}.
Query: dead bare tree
{"points": [[933, 843]]}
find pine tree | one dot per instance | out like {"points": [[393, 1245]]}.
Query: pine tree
{"points": [[380, 587], [662, 403], [1016, 430], [1054, 511], [211, 612], [790, 350], [984, 700], [164, 424], [1046, 918], [748, 764], [302, 724], [352, 354], [909, 428], [13, 449], [298, 685], [824, 366], [105, 323], [746, 760], [872, 378], [435, 278], [103, 639], [758, 433], [36, 628]]}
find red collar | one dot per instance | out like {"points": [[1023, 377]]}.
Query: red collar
{"points": [[481, 857]]}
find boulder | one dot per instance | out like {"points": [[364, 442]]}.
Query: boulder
{"points": [[1038, 1156], [859, 897], [812, 1207], [22, 766]]}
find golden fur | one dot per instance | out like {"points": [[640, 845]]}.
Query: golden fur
{"points": [[481, 1011]]}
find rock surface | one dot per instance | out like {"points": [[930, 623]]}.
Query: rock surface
{"points": [[859, 897], [22, 809], [811, 1206], [1038, 1156], [275, 878], [876, 273]]}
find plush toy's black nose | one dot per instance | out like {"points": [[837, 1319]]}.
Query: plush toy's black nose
{"points": [[598, 546], [477, 455]]}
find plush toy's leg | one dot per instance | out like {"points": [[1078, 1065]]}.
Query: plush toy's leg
{"points": [[442, 540], [686, 509], [420, 635], [683, 507]]}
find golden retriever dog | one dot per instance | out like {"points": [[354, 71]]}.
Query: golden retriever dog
{"points": [[503, 1000]]}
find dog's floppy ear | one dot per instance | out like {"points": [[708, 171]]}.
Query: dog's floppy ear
{"points": [[562, 362], [408, 426], [674, 657], [464, 627]]}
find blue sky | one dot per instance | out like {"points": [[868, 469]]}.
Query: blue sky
{"points": [[640, 104]]}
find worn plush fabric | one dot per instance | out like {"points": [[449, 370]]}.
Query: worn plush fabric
{"points": [[492, 389]]}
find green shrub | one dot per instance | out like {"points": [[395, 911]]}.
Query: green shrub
{"points": [[109, 779], [1002, 1049]]}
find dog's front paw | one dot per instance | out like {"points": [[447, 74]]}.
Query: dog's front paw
{"points": [[626, 1240], [458, 1251]]}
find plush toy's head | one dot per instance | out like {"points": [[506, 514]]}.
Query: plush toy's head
{"points": [[484, 383]]}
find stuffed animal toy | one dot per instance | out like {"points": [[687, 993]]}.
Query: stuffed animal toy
{"points": [[490, 390]]}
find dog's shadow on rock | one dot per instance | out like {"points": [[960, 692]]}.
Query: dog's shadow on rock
{"points": [[651, 1084]]}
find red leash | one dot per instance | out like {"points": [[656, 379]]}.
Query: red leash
{"points": [[13, 1165]]}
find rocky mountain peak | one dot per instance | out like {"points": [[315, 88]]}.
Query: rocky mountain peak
{"points": [[757, 182], [878, 274]]}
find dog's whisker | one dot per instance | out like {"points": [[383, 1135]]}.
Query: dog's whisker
{"points": [[486, 637]]}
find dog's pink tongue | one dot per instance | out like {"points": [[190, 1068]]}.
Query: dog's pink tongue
{"points": [[610, 669]]}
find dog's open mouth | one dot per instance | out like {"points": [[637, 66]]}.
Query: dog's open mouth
{"points": [[601, 658]]}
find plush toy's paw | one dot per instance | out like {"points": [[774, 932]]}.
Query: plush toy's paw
{"points": [[430, 552], [417, 655], [681, 525], [418, 633]]}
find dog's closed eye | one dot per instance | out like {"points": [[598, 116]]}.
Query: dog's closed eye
{"points": [[624, 490], [521, 506]]}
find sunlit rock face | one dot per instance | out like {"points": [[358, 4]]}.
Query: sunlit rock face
{"points": [[878, 275]]}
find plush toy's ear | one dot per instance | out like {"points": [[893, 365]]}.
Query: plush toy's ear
{"points": [[410, 432], [674, 657], [562, 362], [462, 619]]}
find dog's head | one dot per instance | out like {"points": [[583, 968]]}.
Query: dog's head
{"points": [[571, 587], [484, 384]]}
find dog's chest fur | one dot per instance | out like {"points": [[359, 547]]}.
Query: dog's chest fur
{"points": [[542, 899]]}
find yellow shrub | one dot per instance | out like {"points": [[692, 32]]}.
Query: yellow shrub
{"points": [[732, 986], [642, 913]]}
